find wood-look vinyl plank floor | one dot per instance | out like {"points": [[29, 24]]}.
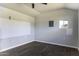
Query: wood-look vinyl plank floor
{"points": [[40, 49]]}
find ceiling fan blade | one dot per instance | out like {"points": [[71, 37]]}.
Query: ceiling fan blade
{"points": [[44, 3], [33, 5]]}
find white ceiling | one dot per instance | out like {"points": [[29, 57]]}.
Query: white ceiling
{"points": [[20, 8], [43, 8], [72, 5], [26, 8]]}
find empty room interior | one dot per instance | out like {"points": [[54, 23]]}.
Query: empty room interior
{"points": [[39, 29]]}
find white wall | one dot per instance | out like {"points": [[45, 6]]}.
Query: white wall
{"points": [[17, 31], [54, 35], [13, 28], [78, 29]]}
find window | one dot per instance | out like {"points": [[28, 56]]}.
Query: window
{"points": [[63, 24]]}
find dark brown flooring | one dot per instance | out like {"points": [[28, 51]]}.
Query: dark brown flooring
{"points": [[41, 49]]}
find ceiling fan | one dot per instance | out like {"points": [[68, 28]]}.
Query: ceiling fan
{"points": [[33, 5]]}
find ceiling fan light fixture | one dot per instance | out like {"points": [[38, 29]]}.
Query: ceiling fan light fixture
{"points": [[33, 5]]}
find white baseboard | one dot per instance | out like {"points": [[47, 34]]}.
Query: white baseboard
{"points": [[58, 44], [15, 46]]}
